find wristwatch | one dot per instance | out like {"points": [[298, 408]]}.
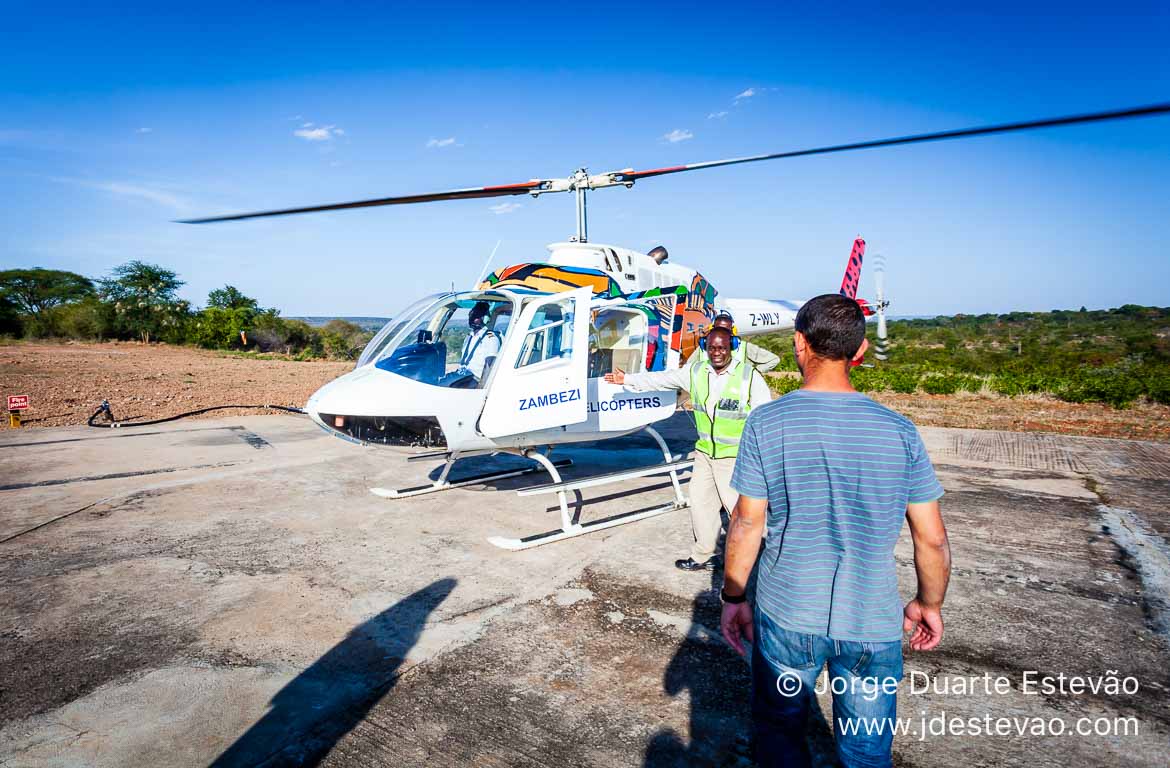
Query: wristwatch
{"points": [[732, 599]]}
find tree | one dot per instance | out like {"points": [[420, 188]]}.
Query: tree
{"points": [[219, 328], [9, 318], [34, 291], [230, 297], [145, 298]]}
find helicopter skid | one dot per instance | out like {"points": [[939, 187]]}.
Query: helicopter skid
{"points": [[570, 528], [442, 484], [528, 542]]}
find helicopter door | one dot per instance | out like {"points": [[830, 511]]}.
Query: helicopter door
{"points": [[539, 377]]}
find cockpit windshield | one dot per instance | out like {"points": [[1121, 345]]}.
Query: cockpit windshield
{"points": [[448, 340]]}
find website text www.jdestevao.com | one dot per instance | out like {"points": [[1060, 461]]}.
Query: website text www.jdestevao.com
{"points": [[930, 724], [941, 724]]}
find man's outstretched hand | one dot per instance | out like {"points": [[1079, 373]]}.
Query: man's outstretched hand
{"points": [[617, 376], [925, 623]]}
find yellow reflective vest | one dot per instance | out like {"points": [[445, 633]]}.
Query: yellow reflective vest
{"points": [[719, 437]]}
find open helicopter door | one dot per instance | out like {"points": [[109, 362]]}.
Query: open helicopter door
{"points": [[539, 378]]}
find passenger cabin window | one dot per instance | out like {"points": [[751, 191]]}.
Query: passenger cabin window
{"points": [[549, 336], [617, 339]]}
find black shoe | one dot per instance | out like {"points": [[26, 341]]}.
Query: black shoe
{"points": [[691, 565]]}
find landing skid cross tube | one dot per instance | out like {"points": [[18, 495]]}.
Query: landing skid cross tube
{"points": [[441, 483], [672, 465]]}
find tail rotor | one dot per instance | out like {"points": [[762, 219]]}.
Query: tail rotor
{"points": [[882, 348]]}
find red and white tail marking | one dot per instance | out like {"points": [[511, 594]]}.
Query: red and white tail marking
{"points": [[853, 270]]}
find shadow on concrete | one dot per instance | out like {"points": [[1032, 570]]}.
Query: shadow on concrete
{"points": [[718, 682], [719, 686], [323, 703]]}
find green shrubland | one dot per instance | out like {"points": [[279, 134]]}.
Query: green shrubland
{"points": [[1114, 356]]}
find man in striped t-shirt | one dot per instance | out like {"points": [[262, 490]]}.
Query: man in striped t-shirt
{"points": [[831, 475]]}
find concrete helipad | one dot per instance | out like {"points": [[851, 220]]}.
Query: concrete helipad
{"points": [[228, 592]]}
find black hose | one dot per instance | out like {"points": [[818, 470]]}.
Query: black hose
{"points": [[105, 408]]}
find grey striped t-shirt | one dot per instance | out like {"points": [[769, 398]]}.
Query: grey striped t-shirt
{"points": [[837, 470]]}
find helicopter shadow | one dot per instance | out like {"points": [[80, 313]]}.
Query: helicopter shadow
{"points": [[316, 709]]}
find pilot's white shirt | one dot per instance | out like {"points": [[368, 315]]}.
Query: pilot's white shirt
{"points": [[477, 348]]}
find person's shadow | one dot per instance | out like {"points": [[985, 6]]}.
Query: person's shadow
{"points": [[323, 703], [720, 687]]}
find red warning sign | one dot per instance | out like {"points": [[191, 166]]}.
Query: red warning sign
{"points": [[17, 402]]}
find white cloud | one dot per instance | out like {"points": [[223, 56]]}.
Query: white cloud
{"points": [[500, 208], [745, 94], [144, 130], [312, 132], [678, 134], [717, 115], [439, 143]]}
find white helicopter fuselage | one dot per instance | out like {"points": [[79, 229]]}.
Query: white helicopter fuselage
{"points": [[534, 394]]}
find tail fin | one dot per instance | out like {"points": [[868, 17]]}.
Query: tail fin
{"points": [[853, 270]]}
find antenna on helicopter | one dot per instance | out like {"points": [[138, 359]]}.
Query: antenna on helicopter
{"points": [[483, 272], [580, 182]]}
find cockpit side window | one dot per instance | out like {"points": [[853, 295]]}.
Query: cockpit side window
{"points": [[452, 342], [549, 335]]}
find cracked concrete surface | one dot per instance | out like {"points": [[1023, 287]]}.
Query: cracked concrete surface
{"points": [[231, 594]]}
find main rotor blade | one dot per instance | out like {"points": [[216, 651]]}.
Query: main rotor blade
{"points": [[962, 133], [455, 194]]}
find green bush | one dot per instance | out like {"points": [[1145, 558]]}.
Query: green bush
{"points": [[343, 340], [867, 380], [218, 328], [946, 384], [782, 385], [1157, 385], [884, 380], [905, 382], [89, 318], [949, 383], [1012, 384], [1114, 386]]}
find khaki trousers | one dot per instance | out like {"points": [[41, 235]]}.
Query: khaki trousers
{"points": [[710, 490]]}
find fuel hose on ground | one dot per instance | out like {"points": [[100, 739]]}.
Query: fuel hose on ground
{"points": [[112, 423]]}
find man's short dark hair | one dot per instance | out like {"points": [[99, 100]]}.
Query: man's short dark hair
{"points": [[833, 325]]}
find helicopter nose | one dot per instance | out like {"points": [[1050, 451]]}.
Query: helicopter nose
{"points": [[372, 406]]}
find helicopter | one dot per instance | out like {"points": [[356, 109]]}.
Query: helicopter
{"points": [[553, 329]]}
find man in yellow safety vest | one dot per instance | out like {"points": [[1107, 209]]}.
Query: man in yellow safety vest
{"points": [[723, 388]]}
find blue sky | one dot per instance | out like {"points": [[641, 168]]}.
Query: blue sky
{"points": [[115, 121]]}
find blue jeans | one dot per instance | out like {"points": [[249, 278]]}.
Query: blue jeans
{"points": [[863, 677]]}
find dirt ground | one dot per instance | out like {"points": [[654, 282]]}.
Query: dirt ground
{"points": [[67, 382]]}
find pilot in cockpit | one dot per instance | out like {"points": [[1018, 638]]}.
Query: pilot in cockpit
{"points": [[480, 345]]}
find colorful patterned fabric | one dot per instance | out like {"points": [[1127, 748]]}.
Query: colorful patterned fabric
{"points": [[553, 279]]}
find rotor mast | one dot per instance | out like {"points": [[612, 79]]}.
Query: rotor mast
{"points": [[581, 189]]}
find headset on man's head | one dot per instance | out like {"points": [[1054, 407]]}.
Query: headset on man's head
{"points": [[734, 332]]}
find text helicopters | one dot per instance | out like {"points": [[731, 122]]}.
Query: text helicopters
{"points": [[558, 325]]}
